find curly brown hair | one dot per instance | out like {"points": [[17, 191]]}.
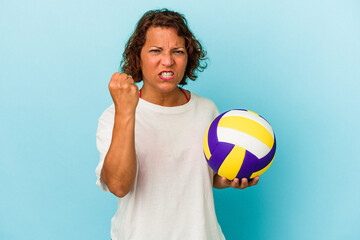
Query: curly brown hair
{"points": [[130, 64]]}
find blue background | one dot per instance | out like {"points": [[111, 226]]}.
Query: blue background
{"points": [[297, 63]]}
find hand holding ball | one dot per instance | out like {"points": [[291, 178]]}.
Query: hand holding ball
{"points": [[239, 144]]}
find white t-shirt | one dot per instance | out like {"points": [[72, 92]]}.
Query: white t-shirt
{"points": [[172, 197]]}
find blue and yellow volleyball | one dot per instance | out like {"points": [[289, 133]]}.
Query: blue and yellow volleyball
{"points": [[239, 144]]}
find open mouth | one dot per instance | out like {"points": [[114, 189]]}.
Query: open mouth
{"points": [[166, 75]]}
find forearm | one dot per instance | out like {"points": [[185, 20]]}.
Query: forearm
{"points": [[119, 169]]}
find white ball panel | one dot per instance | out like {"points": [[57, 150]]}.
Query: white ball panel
{"points": [[253, 145]]}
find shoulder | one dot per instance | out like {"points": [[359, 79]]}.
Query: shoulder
{"points": [[205, 104], [203, 101]]}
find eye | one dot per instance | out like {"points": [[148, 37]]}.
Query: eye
{"points": [[155, 50], [179, 52]]}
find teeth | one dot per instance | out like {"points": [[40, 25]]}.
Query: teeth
{"points": [[167, 74]]}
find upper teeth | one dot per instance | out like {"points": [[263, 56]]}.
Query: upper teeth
{"points": [[167, 74]]}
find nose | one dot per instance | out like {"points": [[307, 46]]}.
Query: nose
{"points": [[167, 59]]}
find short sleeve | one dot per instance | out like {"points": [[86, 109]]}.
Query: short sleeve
{"points": [[103, 140]]}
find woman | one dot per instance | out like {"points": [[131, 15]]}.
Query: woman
{"points": [[150, 141]]}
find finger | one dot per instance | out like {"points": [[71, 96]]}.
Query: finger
{"points": [[235, 183], [123, 76], [225, 181], [114, 79], [128, 79], [244, 183], [115, 76], [254, 181]]}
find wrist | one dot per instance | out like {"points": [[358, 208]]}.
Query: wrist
{"points": [[124, 113]]}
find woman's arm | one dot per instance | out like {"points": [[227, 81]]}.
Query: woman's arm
{"points": [[119, 169]]}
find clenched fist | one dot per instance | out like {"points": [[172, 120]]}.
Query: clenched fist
{"points": [[124, 93]]}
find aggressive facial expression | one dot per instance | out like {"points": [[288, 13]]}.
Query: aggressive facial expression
{"points": [[163, 59]]}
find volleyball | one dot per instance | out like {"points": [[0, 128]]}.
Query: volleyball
{"points": [[239, 144]]}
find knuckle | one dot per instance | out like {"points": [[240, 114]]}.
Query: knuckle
{"points": [[133, 88], [115, 75], [111, 85], [123, 76], [124, 87]]}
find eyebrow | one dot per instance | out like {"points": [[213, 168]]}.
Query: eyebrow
{"points": [[172, 48]]}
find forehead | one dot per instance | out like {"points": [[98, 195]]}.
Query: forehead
{"points": [[164, 36]]}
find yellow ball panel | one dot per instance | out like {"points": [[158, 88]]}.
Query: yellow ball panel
{"points": [[232, 163]]}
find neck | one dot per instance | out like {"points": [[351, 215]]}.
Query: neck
{"points": [[173, 98]]}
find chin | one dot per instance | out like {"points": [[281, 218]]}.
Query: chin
{"points": [[168, 87]]}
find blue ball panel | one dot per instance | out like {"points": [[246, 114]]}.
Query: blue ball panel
{"points": [[248, 166], [218, 155], [212, 134]]}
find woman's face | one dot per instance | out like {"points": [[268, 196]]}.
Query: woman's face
{"points": [[163, 59]]}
